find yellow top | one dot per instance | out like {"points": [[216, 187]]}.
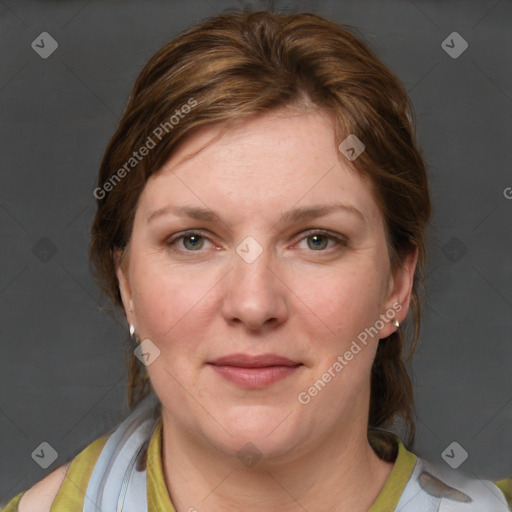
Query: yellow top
{"points": [[71, 495]]}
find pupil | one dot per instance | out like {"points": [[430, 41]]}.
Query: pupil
{"points": [[317, 237], [192, 237]]}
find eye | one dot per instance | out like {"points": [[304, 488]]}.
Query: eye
{"points": [[196, 241], [320, 239], [193, 241]]}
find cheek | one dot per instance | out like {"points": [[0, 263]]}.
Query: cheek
{"points": [[164, 296], [348, 307], [346, 300], [167, 302]]}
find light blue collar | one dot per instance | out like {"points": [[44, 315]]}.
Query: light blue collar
{"points": [[115, 478]]}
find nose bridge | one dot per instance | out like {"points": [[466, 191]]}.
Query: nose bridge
{"points": [[254, 291], [251, 264]]}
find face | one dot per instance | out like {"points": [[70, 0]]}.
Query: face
{"points": [[260, 271]]}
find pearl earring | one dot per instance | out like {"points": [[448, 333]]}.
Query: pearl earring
{"points": [[132, 330], [396, 323]]}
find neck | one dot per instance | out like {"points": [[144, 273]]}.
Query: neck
{"points": [[341, 474]]}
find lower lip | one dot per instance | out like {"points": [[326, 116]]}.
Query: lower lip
{"points": [[253, 378]]}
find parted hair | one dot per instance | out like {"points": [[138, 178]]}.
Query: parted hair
{"points": [[241, 64]]}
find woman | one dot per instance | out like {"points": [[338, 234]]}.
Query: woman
{"points": [[261, 218]]}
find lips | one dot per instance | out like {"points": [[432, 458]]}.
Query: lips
{"points": [[253, 372], [260, 361]]}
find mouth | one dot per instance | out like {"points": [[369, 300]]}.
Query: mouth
{"points": [[253, 372]]}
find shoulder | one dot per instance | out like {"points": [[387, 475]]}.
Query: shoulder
{"points": [[39, 497], [505, 487], [455, 490], [65, 487]]}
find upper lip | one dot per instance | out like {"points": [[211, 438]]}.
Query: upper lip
{"points": [[258, 361]]}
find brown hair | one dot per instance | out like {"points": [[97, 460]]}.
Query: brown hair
{"points": [[236, 65]]}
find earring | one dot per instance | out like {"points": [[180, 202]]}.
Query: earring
{"points": [[396, 323], [133, 336]]}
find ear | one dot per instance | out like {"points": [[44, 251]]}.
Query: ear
{"points": [[121, 265], [399, 292]]}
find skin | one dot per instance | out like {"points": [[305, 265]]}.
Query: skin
{"points": [[303, 298]]}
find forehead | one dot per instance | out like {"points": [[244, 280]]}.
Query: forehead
{"points": [[273, 161]]}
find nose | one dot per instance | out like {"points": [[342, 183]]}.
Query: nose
{"points": [[255, 292]]}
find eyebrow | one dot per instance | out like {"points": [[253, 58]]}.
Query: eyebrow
{"points": [[296, 214]]}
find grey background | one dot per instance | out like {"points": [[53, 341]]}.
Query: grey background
{"points": [[63, 357]]}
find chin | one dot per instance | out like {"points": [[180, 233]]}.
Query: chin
{"points": [[270, 432], [255, 446]]}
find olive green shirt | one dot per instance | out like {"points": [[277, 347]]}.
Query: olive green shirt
{"points": [[72, 492]]}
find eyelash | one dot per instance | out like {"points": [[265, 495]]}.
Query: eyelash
{"points": [[340, 242]]}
